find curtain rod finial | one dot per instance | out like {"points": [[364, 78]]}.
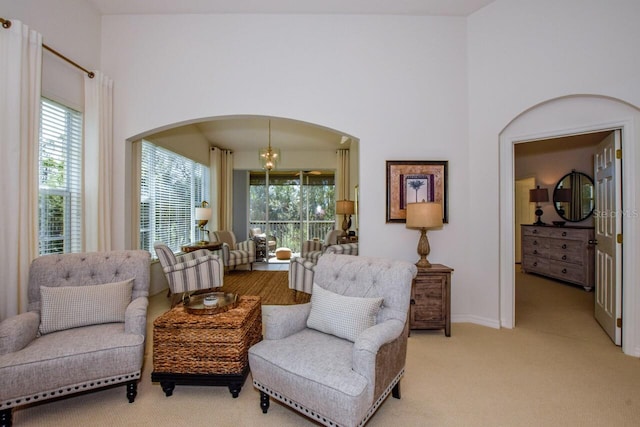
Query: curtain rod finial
{"points": [[6, 23]]}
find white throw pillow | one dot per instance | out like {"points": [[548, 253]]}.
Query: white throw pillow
{"points": [[342, 316], [67, 307]]}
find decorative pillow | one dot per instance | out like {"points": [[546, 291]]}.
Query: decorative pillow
{"points": [[68, 307], [342, 316]]}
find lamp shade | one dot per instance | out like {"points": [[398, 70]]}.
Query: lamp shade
{"points": [[539, 195], [345, 207], [203, 213], [424, 215], [562, 195]]}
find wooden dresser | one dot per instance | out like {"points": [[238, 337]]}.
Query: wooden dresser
{"points": [[431, 299], [565, 253]]}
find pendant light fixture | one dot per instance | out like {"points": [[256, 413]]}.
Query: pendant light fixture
{"points": [[269, 157]]}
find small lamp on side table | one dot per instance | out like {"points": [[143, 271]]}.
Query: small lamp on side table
{"points": [[424, 216], [346, 208], [202, 216]]}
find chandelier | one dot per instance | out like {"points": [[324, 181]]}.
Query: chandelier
{"points": [[269, 157]]}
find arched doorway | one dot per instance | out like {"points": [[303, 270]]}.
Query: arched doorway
{"points": [[563, 117]]}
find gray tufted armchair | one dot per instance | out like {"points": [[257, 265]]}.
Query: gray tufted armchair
{"points": [[84, 329], [332, 379]]}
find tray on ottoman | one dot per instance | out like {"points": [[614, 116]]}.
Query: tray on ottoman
{"points": [[205, 349]]}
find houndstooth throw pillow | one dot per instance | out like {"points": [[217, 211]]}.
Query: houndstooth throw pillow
{"points": [[67, 307], [342, 316]]}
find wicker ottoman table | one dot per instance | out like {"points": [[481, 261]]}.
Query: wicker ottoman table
{"points": [[203, 349]]}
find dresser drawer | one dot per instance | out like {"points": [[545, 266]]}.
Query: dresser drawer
{"points": [[568, 272], [536, 231], [569, 234], [535, 265], [535, 246], [571, 251]]}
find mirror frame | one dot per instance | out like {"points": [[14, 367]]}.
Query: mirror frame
{"points": [[556, 195]]}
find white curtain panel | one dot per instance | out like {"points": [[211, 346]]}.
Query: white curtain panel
{"points": [[342, 178], [20, 76], [221, 175], [98, 158]]}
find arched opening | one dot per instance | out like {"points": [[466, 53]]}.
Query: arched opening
{"points": [[304, 147], [561, 117]]}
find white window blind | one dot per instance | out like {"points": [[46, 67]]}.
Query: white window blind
{"points": [[172, 186], [60, 179]]}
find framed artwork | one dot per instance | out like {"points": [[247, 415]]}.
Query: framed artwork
{"points": [[412, 181]]}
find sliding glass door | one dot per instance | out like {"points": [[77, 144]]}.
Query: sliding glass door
{"points": [[293, 206]]}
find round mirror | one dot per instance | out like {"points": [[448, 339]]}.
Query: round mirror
{"points": [[573, 197]]}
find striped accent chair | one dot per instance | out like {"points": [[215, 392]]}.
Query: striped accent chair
{"points": [[313, 249], [302, 270], [236, 253], [194, 271]]}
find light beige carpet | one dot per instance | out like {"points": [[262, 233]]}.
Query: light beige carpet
{"points": [[556, 368], [271, 286]]}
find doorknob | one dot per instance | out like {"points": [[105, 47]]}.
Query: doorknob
{"points": [[593, 242]]}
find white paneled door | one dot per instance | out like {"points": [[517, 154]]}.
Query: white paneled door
{"points": [[607, 228]]}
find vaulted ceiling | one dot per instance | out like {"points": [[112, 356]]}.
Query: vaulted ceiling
{"points": [[252, 132]]}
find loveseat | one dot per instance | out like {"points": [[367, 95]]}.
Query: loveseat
{"points": [[84, 328]]}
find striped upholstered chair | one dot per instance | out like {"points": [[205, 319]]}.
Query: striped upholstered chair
{"points": [[313, 249], [302, 270], [236, 253], [197, 270]]}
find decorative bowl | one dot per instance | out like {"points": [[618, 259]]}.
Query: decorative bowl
{"points": [[559, 223], [210, 301]]}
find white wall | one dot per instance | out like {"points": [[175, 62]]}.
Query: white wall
{"points": [[521, 53], [72, 27]]}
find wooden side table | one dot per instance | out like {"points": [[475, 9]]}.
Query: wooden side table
{"points": [[212, 246], [431, 299]]}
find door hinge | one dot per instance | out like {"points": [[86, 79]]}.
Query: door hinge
{"points": [[618, 153], [619, 322], [619, 238]]}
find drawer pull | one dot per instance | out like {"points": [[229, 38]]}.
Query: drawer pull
{"points": [[564, 271], [413, 302], [564, 233], [535, 231], [535, 252], [564, 257], [535, 264], [535, 243], [563, 247]]}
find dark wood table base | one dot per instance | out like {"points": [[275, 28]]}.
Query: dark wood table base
{"points": [[169, 380]]}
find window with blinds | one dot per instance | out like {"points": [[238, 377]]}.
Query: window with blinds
{"points": [[60, 179], [172, 186]]}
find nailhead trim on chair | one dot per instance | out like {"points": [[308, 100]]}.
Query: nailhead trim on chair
{"points": [[320, 418], [76, 388]]}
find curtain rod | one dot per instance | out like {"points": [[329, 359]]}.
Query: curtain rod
{"points": [[7, 24]]}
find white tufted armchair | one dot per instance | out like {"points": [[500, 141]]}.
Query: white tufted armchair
{"points": [[334, 379], [84, 329]]}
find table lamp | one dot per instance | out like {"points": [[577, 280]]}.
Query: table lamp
{"points": [[424, 216], [202, 216], [346, 208], [538, 195]]}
